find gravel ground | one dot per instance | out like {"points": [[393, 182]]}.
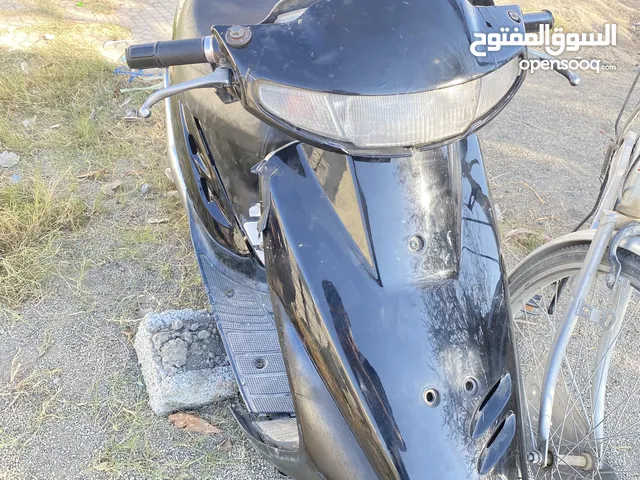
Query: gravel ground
{"points": [[545, 150], [76, 408], [79, 409]]}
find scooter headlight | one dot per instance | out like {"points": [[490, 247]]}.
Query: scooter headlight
{"points": [[390, 120]]}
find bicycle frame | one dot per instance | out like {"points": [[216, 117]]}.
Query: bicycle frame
{"points": [[607, 220]]}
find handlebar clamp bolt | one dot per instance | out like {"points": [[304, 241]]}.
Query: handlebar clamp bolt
{"points": [[238, 36], [513, 15]]}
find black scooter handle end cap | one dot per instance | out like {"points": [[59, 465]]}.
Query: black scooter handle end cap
{"points": [[141, 56]]}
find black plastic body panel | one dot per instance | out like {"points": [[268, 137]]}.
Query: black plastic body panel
{"points": [[325, 436], [215, 213], [385, 273], [381, 333], [324, 433], [237, 140], [374, 47]]}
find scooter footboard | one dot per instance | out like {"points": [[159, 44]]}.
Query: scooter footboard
{"points": [[389, 275]]}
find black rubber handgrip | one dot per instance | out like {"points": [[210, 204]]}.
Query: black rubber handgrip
{"points": [[532, 21], [166, 54]]}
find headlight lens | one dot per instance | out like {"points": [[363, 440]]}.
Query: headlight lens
{"points": [[390, 120]]}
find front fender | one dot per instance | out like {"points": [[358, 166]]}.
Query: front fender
{"points": [[391, 275], [581, 237]]}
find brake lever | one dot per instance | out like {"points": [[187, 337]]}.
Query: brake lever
{"points": [[219, 78], [572, 77]]}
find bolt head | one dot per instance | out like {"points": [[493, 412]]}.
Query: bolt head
{"points": [[416, 243], [236, 31], [514, 16], [238, 36]]}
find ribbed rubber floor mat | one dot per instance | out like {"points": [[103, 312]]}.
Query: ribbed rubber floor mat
{"points": [[282, 432], [245, 320]]}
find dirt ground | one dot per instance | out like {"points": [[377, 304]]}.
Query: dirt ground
{"points": [[108, 243]]}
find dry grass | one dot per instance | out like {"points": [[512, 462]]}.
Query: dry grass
{"points": [[59, 227], [128, 421], [64, 114], [65, 92], [44, 7], [132, 447], [33, 213]]}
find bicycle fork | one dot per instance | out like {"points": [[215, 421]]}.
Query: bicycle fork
{"points": [[609, 217]]}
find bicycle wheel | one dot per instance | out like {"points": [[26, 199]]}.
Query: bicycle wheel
{"points": [[574, 450]]}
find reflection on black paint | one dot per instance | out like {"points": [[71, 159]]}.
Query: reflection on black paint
{"points": [[368, 379], [378, 343]]}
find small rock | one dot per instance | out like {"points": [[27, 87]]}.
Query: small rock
{"points": [[210, 355], [49, 36], [186, 336], [194, 326], [159, 339], [202, 334], [177, 324], [28, 122], [8, 159], [113, 187], [172, 371], [174, 353], [145, 188]]}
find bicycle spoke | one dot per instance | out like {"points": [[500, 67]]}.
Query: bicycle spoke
{"points": [[573, 424]]}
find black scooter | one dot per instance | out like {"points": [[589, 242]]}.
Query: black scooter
{"points": [[340, 211]]}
